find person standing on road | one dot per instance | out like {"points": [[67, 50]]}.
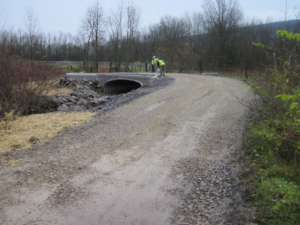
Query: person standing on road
{"points": [[161, 65], [153, 64]]}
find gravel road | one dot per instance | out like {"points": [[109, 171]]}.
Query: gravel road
{"points": [[168, 157]]}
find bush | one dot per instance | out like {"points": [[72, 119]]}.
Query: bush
{"points": [[279, 124], [23, 84], [274, 147], [281, 201]]}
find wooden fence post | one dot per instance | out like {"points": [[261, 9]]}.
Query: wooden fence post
{"points": [[246, 75], [200, 67]]}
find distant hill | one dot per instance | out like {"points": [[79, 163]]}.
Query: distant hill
{"points": [[290, 25]]}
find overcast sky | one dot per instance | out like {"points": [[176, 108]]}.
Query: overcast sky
{"points": [[65, 15]]}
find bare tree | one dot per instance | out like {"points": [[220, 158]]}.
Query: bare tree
{"points": [[124, 23], [133, 15], [3, 19], [49, 47], [221, 23], [93, 25], [31, 22], [116, 30], [195, 34], [173, 38], [84, 37], [151, 39]]}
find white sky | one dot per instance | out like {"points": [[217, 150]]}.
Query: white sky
{"points": [[65, 15]]}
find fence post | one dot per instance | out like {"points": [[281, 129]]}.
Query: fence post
{"points": [[200, 67], [110, 67], [246, 75], [146, 69]]}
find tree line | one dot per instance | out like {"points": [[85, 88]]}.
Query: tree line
{"points": [[217, 36]]}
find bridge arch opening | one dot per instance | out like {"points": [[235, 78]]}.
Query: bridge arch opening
{"points": [[120, 86]]}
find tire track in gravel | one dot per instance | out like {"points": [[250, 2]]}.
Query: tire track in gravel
{"points": [[165, 158]]}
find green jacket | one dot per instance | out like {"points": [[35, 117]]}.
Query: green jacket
{"points": [[161, 63]]}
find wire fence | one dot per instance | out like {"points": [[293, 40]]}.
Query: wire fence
{"points": [[238, 71], [104, 67]]}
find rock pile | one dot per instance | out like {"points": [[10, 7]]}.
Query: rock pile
{"points": [[86, 94]]}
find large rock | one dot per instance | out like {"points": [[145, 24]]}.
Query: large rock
{"points": [[74, 94], [96, 103], [72, 108], [84, 95], [90, 99], [79, 108], [82, 102], [59, 102], [63, 108]]}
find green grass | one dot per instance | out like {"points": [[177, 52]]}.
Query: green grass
{"points": [[280, 202], [276, 188], [137, 69], [74, 68]]}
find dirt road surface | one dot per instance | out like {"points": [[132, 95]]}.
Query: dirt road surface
{"points": [[165, 158]]}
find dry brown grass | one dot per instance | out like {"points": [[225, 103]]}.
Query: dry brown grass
{"points": [[52, 89], [56, 91], [22, 132], [13, 163]]}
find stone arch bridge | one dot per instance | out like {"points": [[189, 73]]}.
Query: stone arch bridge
{"points": [[115, 83]]}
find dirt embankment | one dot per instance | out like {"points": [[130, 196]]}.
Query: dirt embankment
{"points": [[168, 157]]}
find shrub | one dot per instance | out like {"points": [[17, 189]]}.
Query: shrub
{"points": [[281, 201], [274, 147], [22, 84], [279, 123]]}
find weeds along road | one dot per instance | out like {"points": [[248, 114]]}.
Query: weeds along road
{"points": [[165, 158]]}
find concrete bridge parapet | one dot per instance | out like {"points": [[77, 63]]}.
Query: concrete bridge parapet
{"points": [[115, 83]]}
